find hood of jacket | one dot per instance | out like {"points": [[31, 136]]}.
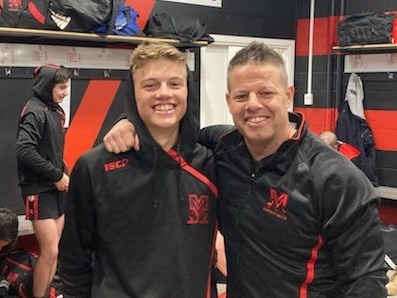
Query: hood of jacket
{"points": [[189, 125], [44, 82]]}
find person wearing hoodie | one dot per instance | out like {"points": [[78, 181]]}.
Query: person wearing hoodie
{"points": [[298, 219], [143, 224], [43, 176]]}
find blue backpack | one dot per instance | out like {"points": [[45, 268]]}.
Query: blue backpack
{"points": [[123, 24]]}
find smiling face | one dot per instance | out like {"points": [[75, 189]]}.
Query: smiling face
{"points": [[258, 100], [161, 95], [60, 91]]}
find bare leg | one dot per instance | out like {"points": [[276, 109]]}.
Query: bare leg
{"points": [[48, 233], [60, 223], [220, 254]]}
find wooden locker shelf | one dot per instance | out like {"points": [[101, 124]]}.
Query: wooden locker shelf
{"points": [[11, 34], [368, 48]]}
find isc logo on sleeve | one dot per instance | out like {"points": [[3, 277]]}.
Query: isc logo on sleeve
{"points": [[115, 165]]}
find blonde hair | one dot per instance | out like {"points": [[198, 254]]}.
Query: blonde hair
{"points": [[149, 51]]}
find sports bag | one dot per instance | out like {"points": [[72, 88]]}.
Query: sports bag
{"points": [[25, 14], [16, 275], [368, 28], [17, 269], [184, 28], [67, 15], [124, 24], [81, 16]]}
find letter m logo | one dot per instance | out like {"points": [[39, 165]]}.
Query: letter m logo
{"points": [[198, 209], [278, 201]]}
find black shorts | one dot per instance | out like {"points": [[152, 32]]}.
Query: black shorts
{"points": [[45, 205]]}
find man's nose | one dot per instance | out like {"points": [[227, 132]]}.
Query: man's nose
{"points": [[253, 100]]}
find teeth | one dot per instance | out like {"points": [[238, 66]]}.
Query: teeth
{"points": [[256, 119], [165, 107]]}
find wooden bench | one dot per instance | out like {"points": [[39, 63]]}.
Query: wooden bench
{"points": [[386, 192], [25, 226]]}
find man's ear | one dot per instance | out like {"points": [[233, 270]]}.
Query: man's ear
{"points": [[290, 95], [227, 96]]}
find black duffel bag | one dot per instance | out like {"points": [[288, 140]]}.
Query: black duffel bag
{"points": [[83, 15], [368, 28], [186, 29]]}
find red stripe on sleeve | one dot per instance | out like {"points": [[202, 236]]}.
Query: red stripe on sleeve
{"points": [[310, 268]]}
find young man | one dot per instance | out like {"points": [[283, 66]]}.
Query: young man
{"points": [[299, 220], [143, 224], [42, 174]]}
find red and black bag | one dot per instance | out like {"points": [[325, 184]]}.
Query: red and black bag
{"points": [[17, 269], [16, 274], [25, 14], [66, 15]]}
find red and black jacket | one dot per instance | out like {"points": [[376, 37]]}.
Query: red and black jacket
{"points": [[302, 222], [142, 224]]}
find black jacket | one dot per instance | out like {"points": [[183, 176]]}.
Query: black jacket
{"points": [[302, 222], [356, 131], [40, 138], [137, 224]]}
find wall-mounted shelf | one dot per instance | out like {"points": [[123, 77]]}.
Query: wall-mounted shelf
{"points": [[368, 48], [19, 35], [387, 192]]}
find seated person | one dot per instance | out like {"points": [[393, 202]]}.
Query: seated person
{"points": [[8, 230], [347, 150]]}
